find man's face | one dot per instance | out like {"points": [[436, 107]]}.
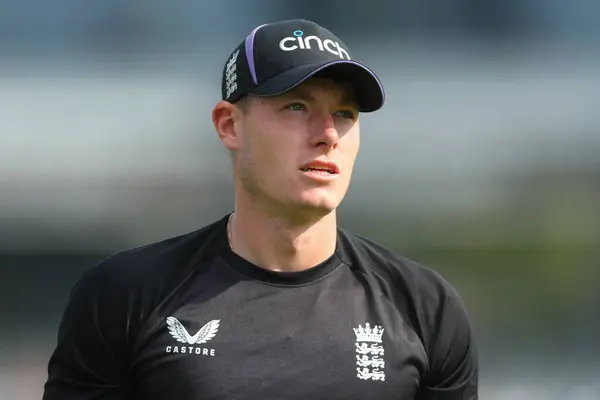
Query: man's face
{"points": [[282, 139]]}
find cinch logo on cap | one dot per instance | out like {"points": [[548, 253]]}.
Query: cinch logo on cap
{"points": [[297, 41]]}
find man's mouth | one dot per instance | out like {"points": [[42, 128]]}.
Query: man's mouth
{"points": [[323, 167], [322, 170]]}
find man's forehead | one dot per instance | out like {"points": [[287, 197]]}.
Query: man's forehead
{"points": [[339, 88]]}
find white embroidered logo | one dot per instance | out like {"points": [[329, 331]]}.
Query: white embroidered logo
{"points": [[369, 343], [179, 333], [231, 74], [304, 43]]}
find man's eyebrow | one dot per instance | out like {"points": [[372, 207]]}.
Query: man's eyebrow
{"points": [[347, 100], [300, 94]]}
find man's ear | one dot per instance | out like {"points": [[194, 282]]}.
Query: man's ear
{"points": [[225, 117]]}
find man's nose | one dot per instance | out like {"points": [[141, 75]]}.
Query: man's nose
{"points": [[327, 132]]}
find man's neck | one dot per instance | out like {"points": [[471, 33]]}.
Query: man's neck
{"points": [[278, 244]]}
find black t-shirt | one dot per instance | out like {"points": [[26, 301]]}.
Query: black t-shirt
{"points": [[186, 318]]}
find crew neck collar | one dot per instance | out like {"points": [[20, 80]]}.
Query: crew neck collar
{"points": [[264, 275]]}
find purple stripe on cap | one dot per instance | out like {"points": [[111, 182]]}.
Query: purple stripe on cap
{"points": [[250, 53]]}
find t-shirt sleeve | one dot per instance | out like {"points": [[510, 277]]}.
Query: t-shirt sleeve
{"points": [[89, 360], [453, 361]]}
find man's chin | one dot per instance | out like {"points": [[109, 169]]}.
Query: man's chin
{"points": [[319, 205]]}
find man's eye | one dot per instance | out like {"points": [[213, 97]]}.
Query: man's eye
{"points": [[296, 107], [346, 114]]}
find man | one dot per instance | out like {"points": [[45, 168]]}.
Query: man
{"points": [[273, 301]]}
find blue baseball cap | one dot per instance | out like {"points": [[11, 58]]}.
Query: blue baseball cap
{"points": [[275, 58]]}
